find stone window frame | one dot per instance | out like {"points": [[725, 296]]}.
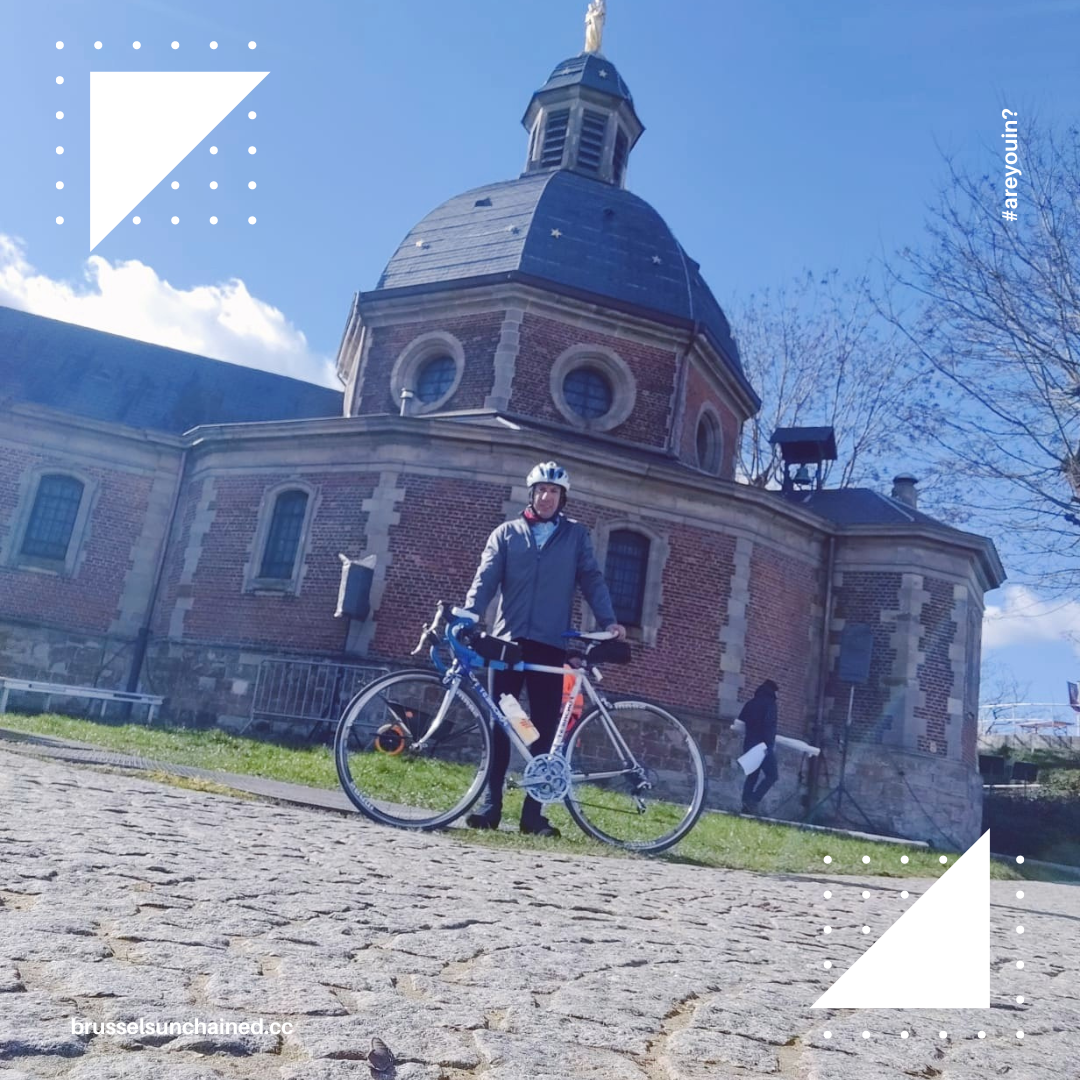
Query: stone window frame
{"points": [[659, 552], [68, 566], [611, 365], [280, 586], [706, 413], [412, 358]]}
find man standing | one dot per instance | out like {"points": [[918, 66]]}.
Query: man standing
{"points": [[759, 716], [536, 562]]}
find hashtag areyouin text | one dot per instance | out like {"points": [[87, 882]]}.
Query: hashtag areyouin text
{"points": [[1011, 171]]}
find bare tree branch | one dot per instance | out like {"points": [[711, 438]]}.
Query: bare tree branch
{"points": [[819, 355], [994, 311]]}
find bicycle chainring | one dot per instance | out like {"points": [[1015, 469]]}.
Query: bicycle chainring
{"points": [[547, 778]]}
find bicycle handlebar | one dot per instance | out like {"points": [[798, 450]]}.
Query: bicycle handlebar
{"points": [[460, 619]]}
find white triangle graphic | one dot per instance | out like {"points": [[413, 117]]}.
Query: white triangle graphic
{"points": [[936, 955], [143, 124]]}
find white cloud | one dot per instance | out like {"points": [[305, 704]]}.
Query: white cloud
{"points": [[223, 321], [1024, 617]]}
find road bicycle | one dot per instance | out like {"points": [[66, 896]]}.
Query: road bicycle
{"points": [[413, 749]]}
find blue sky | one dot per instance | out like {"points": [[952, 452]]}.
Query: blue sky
{"points": [[779, 135]]}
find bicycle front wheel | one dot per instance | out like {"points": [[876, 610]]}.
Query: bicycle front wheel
{"points": [[412, 753], [638, 778]]}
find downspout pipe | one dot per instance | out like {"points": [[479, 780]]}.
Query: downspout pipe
{"points": [[143, 638]]}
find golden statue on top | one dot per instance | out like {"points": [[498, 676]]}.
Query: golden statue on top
{"points": [[594, 25]]}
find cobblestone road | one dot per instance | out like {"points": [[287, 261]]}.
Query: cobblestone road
{"points": [[123, 899]]}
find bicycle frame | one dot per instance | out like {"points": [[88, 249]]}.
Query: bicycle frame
{"points": [[461, 670]]}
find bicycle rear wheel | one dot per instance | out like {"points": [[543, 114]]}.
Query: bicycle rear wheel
{"points": [[638, 777], [384, 774]]}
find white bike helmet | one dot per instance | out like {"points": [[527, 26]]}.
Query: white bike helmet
{"points": [[549, 472]]}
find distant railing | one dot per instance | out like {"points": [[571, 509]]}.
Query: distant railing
{"points": [[307, 692], [1045, 718]]}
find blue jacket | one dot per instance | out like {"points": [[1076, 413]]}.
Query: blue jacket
{"points": [[538, 584]]}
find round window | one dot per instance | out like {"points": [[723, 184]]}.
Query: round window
{"points": [[588, 392], [435, 378]]}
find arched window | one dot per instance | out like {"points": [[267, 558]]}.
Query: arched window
{"points": [[707, 442], [625, 571], [435, 378], [283, 538], [52, 519], [588, 392]]}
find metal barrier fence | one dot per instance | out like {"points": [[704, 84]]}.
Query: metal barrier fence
{"points": [[312, 692]]}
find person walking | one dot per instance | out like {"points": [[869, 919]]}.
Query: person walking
{"points": [[536, 562], [759, 716]]}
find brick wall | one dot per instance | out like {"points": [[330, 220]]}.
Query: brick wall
{"points": [[543, 340], [862, 598], [89, 600], [699, 392], [938, 631], [479, 336], [220, 610], [435, 547], [783, 631]]}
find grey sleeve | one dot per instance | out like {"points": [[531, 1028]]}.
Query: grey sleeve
{"points": [[488, 577], [590, 579]]}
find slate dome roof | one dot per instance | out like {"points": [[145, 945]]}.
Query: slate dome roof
{"points": [[588, 69], [571, 232]]}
